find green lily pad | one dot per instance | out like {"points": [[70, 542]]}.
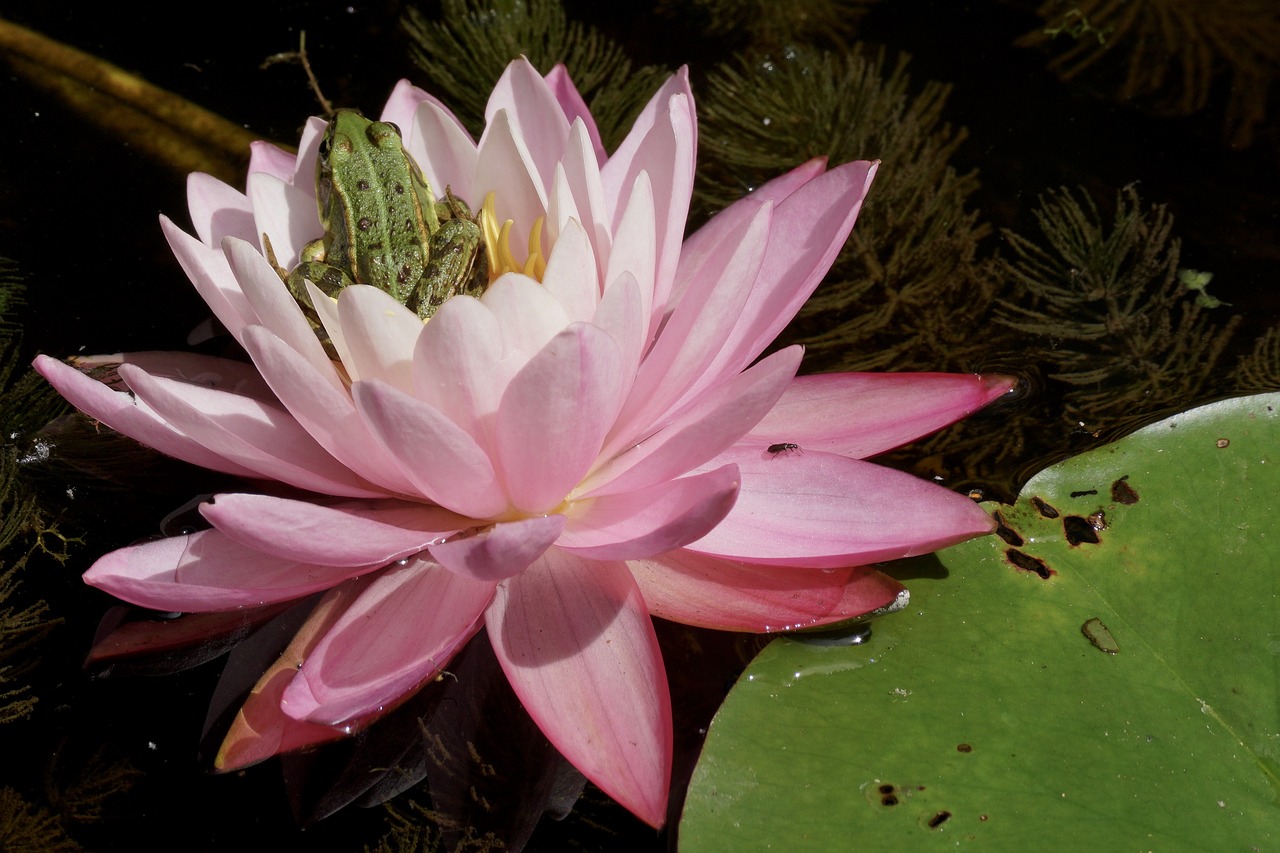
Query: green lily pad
{"points": [[1103, 675]]}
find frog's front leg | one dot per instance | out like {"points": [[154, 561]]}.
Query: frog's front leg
{"points": [[457, 265]]}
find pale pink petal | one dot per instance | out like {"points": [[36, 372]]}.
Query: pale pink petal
{"points": [[261, 729], [574, 107], [223, 374], [323, 410], [582, 173], [122, 413], [286, 212], [444, 150], [663, 142], [401, 104], [355, 533], [710, 592], [380, 335], [458, 365], [258, 435], [621, 313], [402, 631], [272, 160], [571, 275], [862, 414], [527, 313], [206, 571], [500, 551], [634, 251], [651, 521], [538, 124], [504, 168], [441, 459], [554, 415], [822, 510], [218, 210], [209, 272], [275, 307], [577, 644], [712, 423]]}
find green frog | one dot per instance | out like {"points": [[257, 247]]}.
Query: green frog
{"points": [[383, 225]]}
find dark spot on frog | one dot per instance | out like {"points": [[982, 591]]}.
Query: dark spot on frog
{"points": [[1005, 532], [399, 189], [1028, 563], [1085, 492], [1045, 509], [1122, 492], [365, 223], [963, 747], [939, 819], [1079, 531], [362, 185]]}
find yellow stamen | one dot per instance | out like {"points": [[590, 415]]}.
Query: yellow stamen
{"points": [[497, 244]]}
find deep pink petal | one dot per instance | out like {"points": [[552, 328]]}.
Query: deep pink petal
{"points": [[402, 631], [122, 413], [651, 521], [554, 415], [354, 533], [809, 508], [714, 421], [441, 459], [862, 414], [808, 229], [711, 592], [261, 728], [500, 551], [576, 642], [206, 571]]}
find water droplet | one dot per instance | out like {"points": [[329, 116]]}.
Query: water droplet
{"points": [[846, 635]]}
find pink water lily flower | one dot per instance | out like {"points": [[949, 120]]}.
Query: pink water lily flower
{"points": [[594, 441]]}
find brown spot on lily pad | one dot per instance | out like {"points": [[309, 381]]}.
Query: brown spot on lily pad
{"points": [[1005, 532], [1100, 635], [1045, 509], [1026, 562], [1122, 492], [1079, 530]]}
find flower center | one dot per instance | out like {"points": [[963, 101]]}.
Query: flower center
{"points": [[497, 244]]}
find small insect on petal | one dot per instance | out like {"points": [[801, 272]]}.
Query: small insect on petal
{"points": [[783, 448]]}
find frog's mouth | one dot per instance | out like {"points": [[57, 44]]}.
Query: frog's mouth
{"points": [[497, 244]]}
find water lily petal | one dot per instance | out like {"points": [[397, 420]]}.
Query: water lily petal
{"points": [[727, 595], [650, 521], [441, 459], [504, 168], [261, 436], [575, 108], [823, 510], [208, 270], [554, 415], [571, 275], [325, 411], [862, 414], [353, 533], [537, 122], [458, 365], [276, 204], [578, 647], [379, 334], [503, 550], [123, 413], [444, 150], [715, 421], [218, 210], [261, 728], [382, 649], [207, 570]]}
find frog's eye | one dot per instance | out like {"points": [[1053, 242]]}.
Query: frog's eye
{"points": [[326, 145]]}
